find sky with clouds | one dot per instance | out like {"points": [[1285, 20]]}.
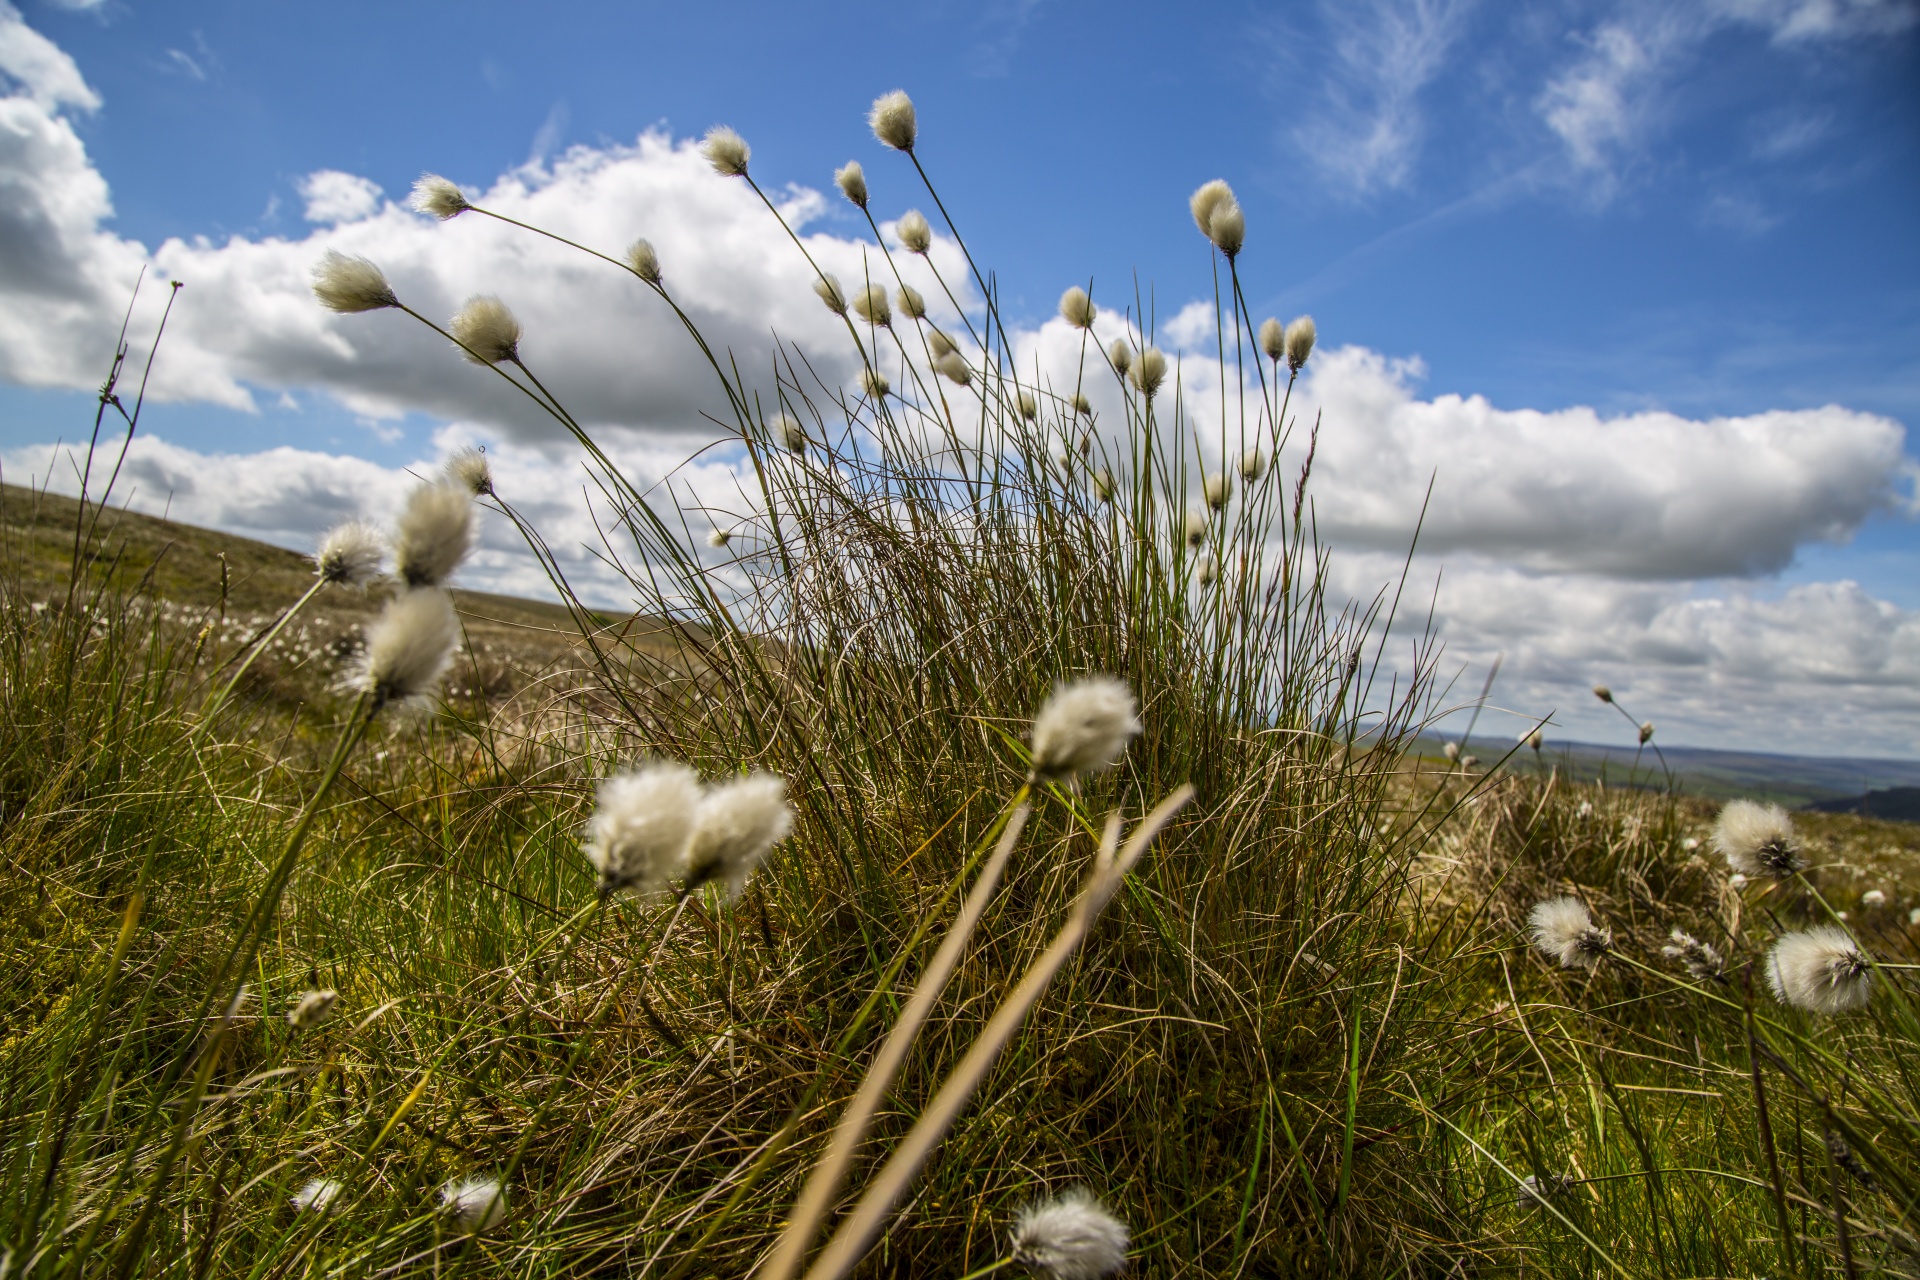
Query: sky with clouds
{"points": [[1634, 286]]}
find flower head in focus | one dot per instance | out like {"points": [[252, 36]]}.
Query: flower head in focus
{"points": [[914, 232], [350, 284], [1757, 840], [433, 194], [1300, 339], [726, 151], [912, 305], [644, 261], [828, 287], [1149, 371], [1820, 970], [1273, 339], [1563, 930], [1204, 202], [893, 121], [1076, 308], [467, 467], [852, 181], [1120, 356], [870, 304], [486, 330]]}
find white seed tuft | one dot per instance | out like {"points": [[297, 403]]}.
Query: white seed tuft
{"points": [[1451, 751], [1603, 693], [738, 822], [317, 1195], [312, 1009], [852, 181], [468, 468], [828, 288], [1103, 484], [1874, 898], [719, 538], [486, 331], [1083, 728], [940, 344], [870, 304], [349, 555], [476, 1204], [1702, 960], [1076, 308], [433, 535], [435, 195], [408, 648], [644, 260], [1149, 371], [1563, 930], [1197, 527], [637, 837], [1082, 405], [1300, 338], [1205, 201], [726, 151], [1219, 489], [1820, 970], [1071, 1237], [1273, 339], [912, 305], [1121, 356], [914, 232], [790, 433], [347, 284], [1029, 407], [1206, 570], [954, 366], [1757, 840], [1227, 228], [874, 384], [1253, 465], [1646, 732], [893, 121]]}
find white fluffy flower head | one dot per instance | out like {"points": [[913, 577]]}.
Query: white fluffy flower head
{"points": [[852, 181], [312, 1009], [317, 1195], [1300, 339], [1196, 528], [1121, 356], [1204, 202], [1076, 308], [1253, 465], [893, 121], [912, 305], [1083, 728], [1702, 960], [1564, 931], [718, 538], [827, 286], [486, 330], [1102, 480], [637, 837], [435, 195], [1070, 1237], [1227, 228], [954, 366], [875, 384], [433, 535], [790, 433], [870, 304], [1149, 371], [1273, 339], [468, 468], [349, 284], [738, 822], [1206, 571], [644, 260], [1820, 970], [476, 1204], [408, 649], [349, 554], [1757, 840], [914, 232], [726, 151], [1219, 489]]}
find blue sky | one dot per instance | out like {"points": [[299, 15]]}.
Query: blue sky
{"points": [[1705, 209]]}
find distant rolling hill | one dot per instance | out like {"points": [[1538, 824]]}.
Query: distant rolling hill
{"points": [[1834, 783]]}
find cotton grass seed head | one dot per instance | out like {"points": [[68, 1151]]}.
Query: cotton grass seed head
{"points": [[408, 648], [1083, 728], [718, 538], [1227, 228], [828, 288], [1702, 960], [1219, 489], [870, 304], [1300, 338], [475, 1204], [433, 194], [1207, 199], [349, 284], [1820, 970], [1646, 732], [892, 120], [433, 535], [1535, 739], [726, 151], [954, 367], [852, 181], [1196, 527], [1149, 371], [642, 820], [1070, 1237], [349, 554], [875, 384], [644, 260], [1451, 751], [940, 344], [1273, 339], [1120, 355], [1603, 693], [1757, 840], [1102, 480], [1873, 898], [486, 331], [738, 822], [1562, 930], [1076, 308], [1253, 465], [912, 305], [467, 467], [791, 435], [1206, 571], [914, 232], [317, 1195], [312, 1009], [1082, 405], [1029, 407]]}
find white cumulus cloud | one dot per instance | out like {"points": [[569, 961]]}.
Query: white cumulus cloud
{"points": [[333, 196]]}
